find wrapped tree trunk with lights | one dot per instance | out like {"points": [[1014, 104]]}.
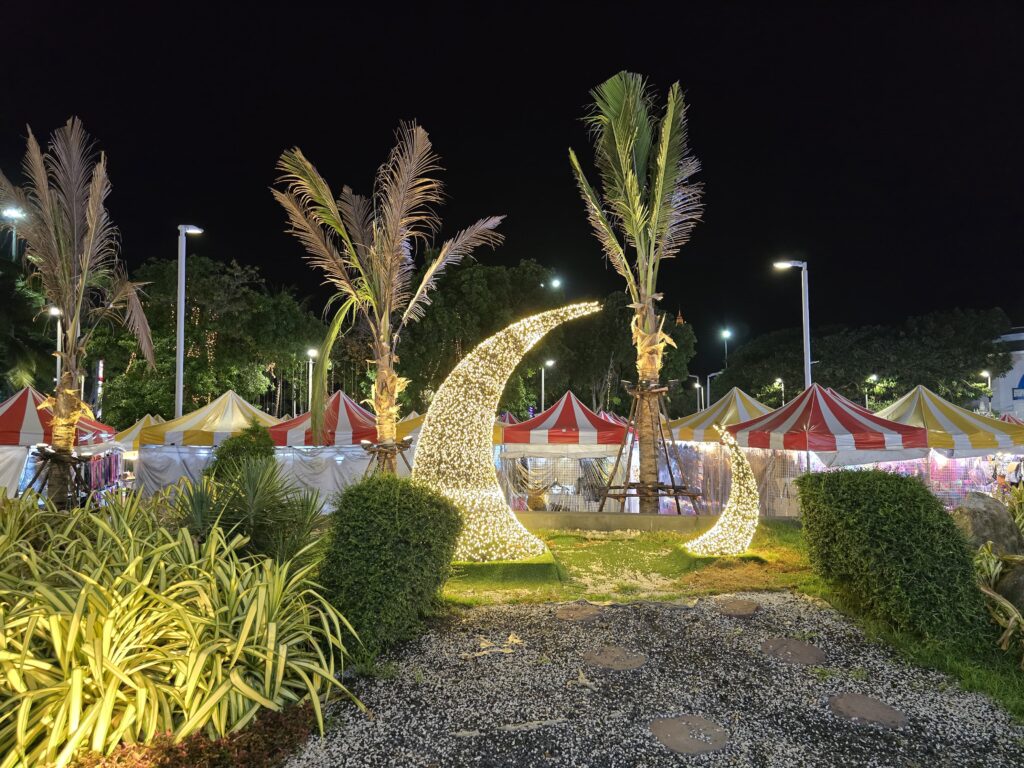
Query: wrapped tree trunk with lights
{"points": [[71, 249], [366, 249], [644, 213]]}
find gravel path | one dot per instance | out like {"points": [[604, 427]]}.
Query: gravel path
{"points": [[510, 686]]}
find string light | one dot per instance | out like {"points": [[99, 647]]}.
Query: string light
{"points": [[735, 528], [454, 455]]}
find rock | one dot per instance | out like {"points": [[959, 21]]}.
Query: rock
{"points": [[738, 608], [614, 657], [792, 650], [690, 734], [581, 611], [864, 709], [1011, 586], [984, 519]]}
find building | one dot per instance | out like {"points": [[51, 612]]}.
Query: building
{"points": [[1008, 389]]}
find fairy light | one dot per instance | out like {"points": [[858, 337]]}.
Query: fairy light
{"points": [[454, 455], [735, 528]]}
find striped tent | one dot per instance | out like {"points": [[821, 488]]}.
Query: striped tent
{"points": [[345, 423], [818, 421], [952, 429], [410, 427], [735, 406], [507, 418], [566, 423], [129, 438], [212, 424], [613, 417], [23, 422], [1009, 418]]}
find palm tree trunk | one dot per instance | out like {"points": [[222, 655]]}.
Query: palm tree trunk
{"points": [[385, 405], [66, 410], [648, 366], [278, 393]]}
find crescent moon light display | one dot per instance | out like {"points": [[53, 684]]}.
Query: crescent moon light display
{"points": [[735, 528], [455, 451]]}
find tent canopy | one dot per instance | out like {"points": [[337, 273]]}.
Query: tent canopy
{"points": [[950, 427], [1009, 418], [735, 406], [345, 423], [817, 420], [212, 424], [410, 426], [128, 440], [22, 422], [567, 422]]}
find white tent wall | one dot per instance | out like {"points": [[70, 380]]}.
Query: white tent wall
{"points": [[12, 465], [159, 466]]}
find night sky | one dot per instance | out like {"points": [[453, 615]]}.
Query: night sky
{"points": [[884, 146]]}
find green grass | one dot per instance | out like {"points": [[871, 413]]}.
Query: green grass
{"points": [[628, 565]]}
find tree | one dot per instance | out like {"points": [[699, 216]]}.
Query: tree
{"points": [[238, 335], [72, 253], [366, 250], [646, 212], [23, 349]]}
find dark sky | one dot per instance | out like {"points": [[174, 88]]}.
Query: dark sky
{"points": [[885, 145]]}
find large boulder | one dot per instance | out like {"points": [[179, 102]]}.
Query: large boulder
{"points": [[1011, 586], [984, 519]]}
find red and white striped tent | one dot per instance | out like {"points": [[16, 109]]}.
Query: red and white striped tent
{"points": [[613, 417], [345, 423], [568, 426], [507, 418], [837, 429], [23, 423], [1009, 418]]}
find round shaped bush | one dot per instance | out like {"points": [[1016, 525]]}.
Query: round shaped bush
{"points": [[391, 548], [885, 542]]}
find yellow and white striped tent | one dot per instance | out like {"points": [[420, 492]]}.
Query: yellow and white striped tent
{"points": [[129, 438], [952, 429], [212, 424], [735, 406], [411, 425]]}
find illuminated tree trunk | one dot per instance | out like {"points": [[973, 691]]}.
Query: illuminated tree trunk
{"points": [[66, 412], [648, 366]]}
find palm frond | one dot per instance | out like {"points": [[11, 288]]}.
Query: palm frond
{"points": [[357, 215], [452, 252], [318, 403], [98, 255], [71, 157]]}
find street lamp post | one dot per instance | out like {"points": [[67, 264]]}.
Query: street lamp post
{"points": [[707, 391], [179, 361], [14, 215], [987, 375], [726, 335], [547, 364], [700, 390], [806, 314], [56, 312], [870, 380], [310, 355], [781, 385]]}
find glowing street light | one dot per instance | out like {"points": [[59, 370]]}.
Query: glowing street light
{"points": [[179, 361], [872, 379], [700, 391], [789, 264], [987, 375], [782, 386], [556, 282], [13, 215], [310, 355], [547, 364], [726, 335]]}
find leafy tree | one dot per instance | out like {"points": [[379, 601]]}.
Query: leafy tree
{"points": [[366, 247], [24, 349], [646, 211], [71, 247]]}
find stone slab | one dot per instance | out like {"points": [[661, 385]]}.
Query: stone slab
{"points": [[690, 734], [738, 607], [577, 612], [792, 650], [614, 657], [865, 709]]}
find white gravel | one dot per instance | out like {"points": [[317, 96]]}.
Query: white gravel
{"points": [[537, 703]]}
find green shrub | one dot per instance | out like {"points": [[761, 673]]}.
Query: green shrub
{"points": [[885, 542], [390, 552], [253, 442], [115, 630]]}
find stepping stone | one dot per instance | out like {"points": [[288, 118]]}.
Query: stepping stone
{"points": [[577, 612], [690, 734], [792, 650], [864, 709], [738, 608], [614, 657]]}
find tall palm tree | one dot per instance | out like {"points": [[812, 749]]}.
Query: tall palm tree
{"points": [[365, 247], [646, 211], [71, 250]]}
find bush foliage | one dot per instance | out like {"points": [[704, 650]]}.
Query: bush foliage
{"points": [[253, 442], [886, 543], [390, 552], [116, 629]]}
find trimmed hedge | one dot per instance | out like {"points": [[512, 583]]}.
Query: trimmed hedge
{"points": [[253, 442], [886, 543], [391, 549]]}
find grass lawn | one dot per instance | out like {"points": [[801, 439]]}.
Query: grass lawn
{"points": [[630, 565]]}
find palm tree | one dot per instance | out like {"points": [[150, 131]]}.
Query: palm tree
{"points": [[646, 211], [365, 248], [71, 250]]}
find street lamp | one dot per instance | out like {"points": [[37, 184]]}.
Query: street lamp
{"points": [[726, 335], [547, 364], [806, 313], [781, 385], [57, 313], [873, 378], [310, 355], [707, 391], [556, 282], [179, 361], [700, 390], [14, 215]]}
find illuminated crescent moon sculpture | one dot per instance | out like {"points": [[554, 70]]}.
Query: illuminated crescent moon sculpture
{"points": [[735, 528], [454, 455]]}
